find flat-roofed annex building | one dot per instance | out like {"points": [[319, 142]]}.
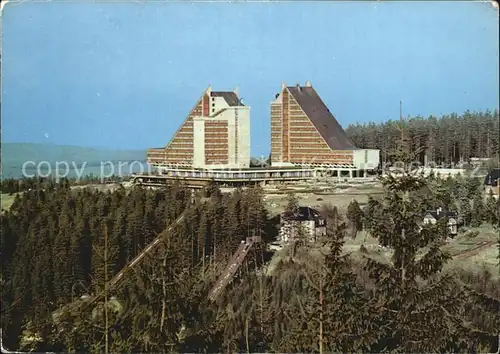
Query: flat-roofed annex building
{"points": [[215, 134], [305, 132]]}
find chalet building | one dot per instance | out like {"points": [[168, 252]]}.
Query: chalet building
{"points": [[309, 220], [304, 132], [491, 182], [215, 134], [431, 217]]}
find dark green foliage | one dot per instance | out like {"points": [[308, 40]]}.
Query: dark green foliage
{"points": [[355, 217], [50, 241], [11, 185], [292, 205], [478, 210], [491, 210], [445, 140], [371, 213], [483, 308], [466, 212], [413, 301], [317, 300]]}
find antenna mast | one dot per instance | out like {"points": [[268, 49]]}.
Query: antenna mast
{"points": [[402, 143]]}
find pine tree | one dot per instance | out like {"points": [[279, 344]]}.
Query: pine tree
{"points": [[478, 212], [443, 196], [148, 222], [413, 310], [61, 249], [119, 234], [159, 297], [42, 276], [320, 308], [292, 206], [203, 237], [233, 217], [491, 210], [473, 187], [355, 217], [316, 300], [466, 211], [371, 213], [446, 139]]}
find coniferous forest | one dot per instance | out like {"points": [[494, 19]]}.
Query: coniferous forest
{"points": [[445, 140], [59, 244]]}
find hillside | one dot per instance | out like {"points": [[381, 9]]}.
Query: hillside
{"points": [[14, 155]]}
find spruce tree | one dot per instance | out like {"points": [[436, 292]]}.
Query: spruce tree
{"points": [[292, 205], [491, 210], [203, 237], [414, 302], [478, 212], [371, 213], [355, 217], [61, 250], [466, 212], [319, 308]]}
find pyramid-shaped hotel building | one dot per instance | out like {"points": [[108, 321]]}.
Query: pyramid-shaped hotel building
{"points": [[216, 134]]}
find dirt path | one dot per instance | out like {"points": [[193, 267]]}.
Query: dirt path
{"points": [[473, 251]]}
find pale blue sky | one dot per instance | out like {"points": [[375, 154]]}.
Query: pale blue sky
{"points": [[124, 75]]}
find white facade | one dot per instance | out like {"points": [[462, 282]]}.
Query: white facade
{"points": [[452, 223], [238, 119], [312, 229], [243, 155], [366, 159], [282, 164], [442, 172], [198, 142], [358, 159], [238, 137]]}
